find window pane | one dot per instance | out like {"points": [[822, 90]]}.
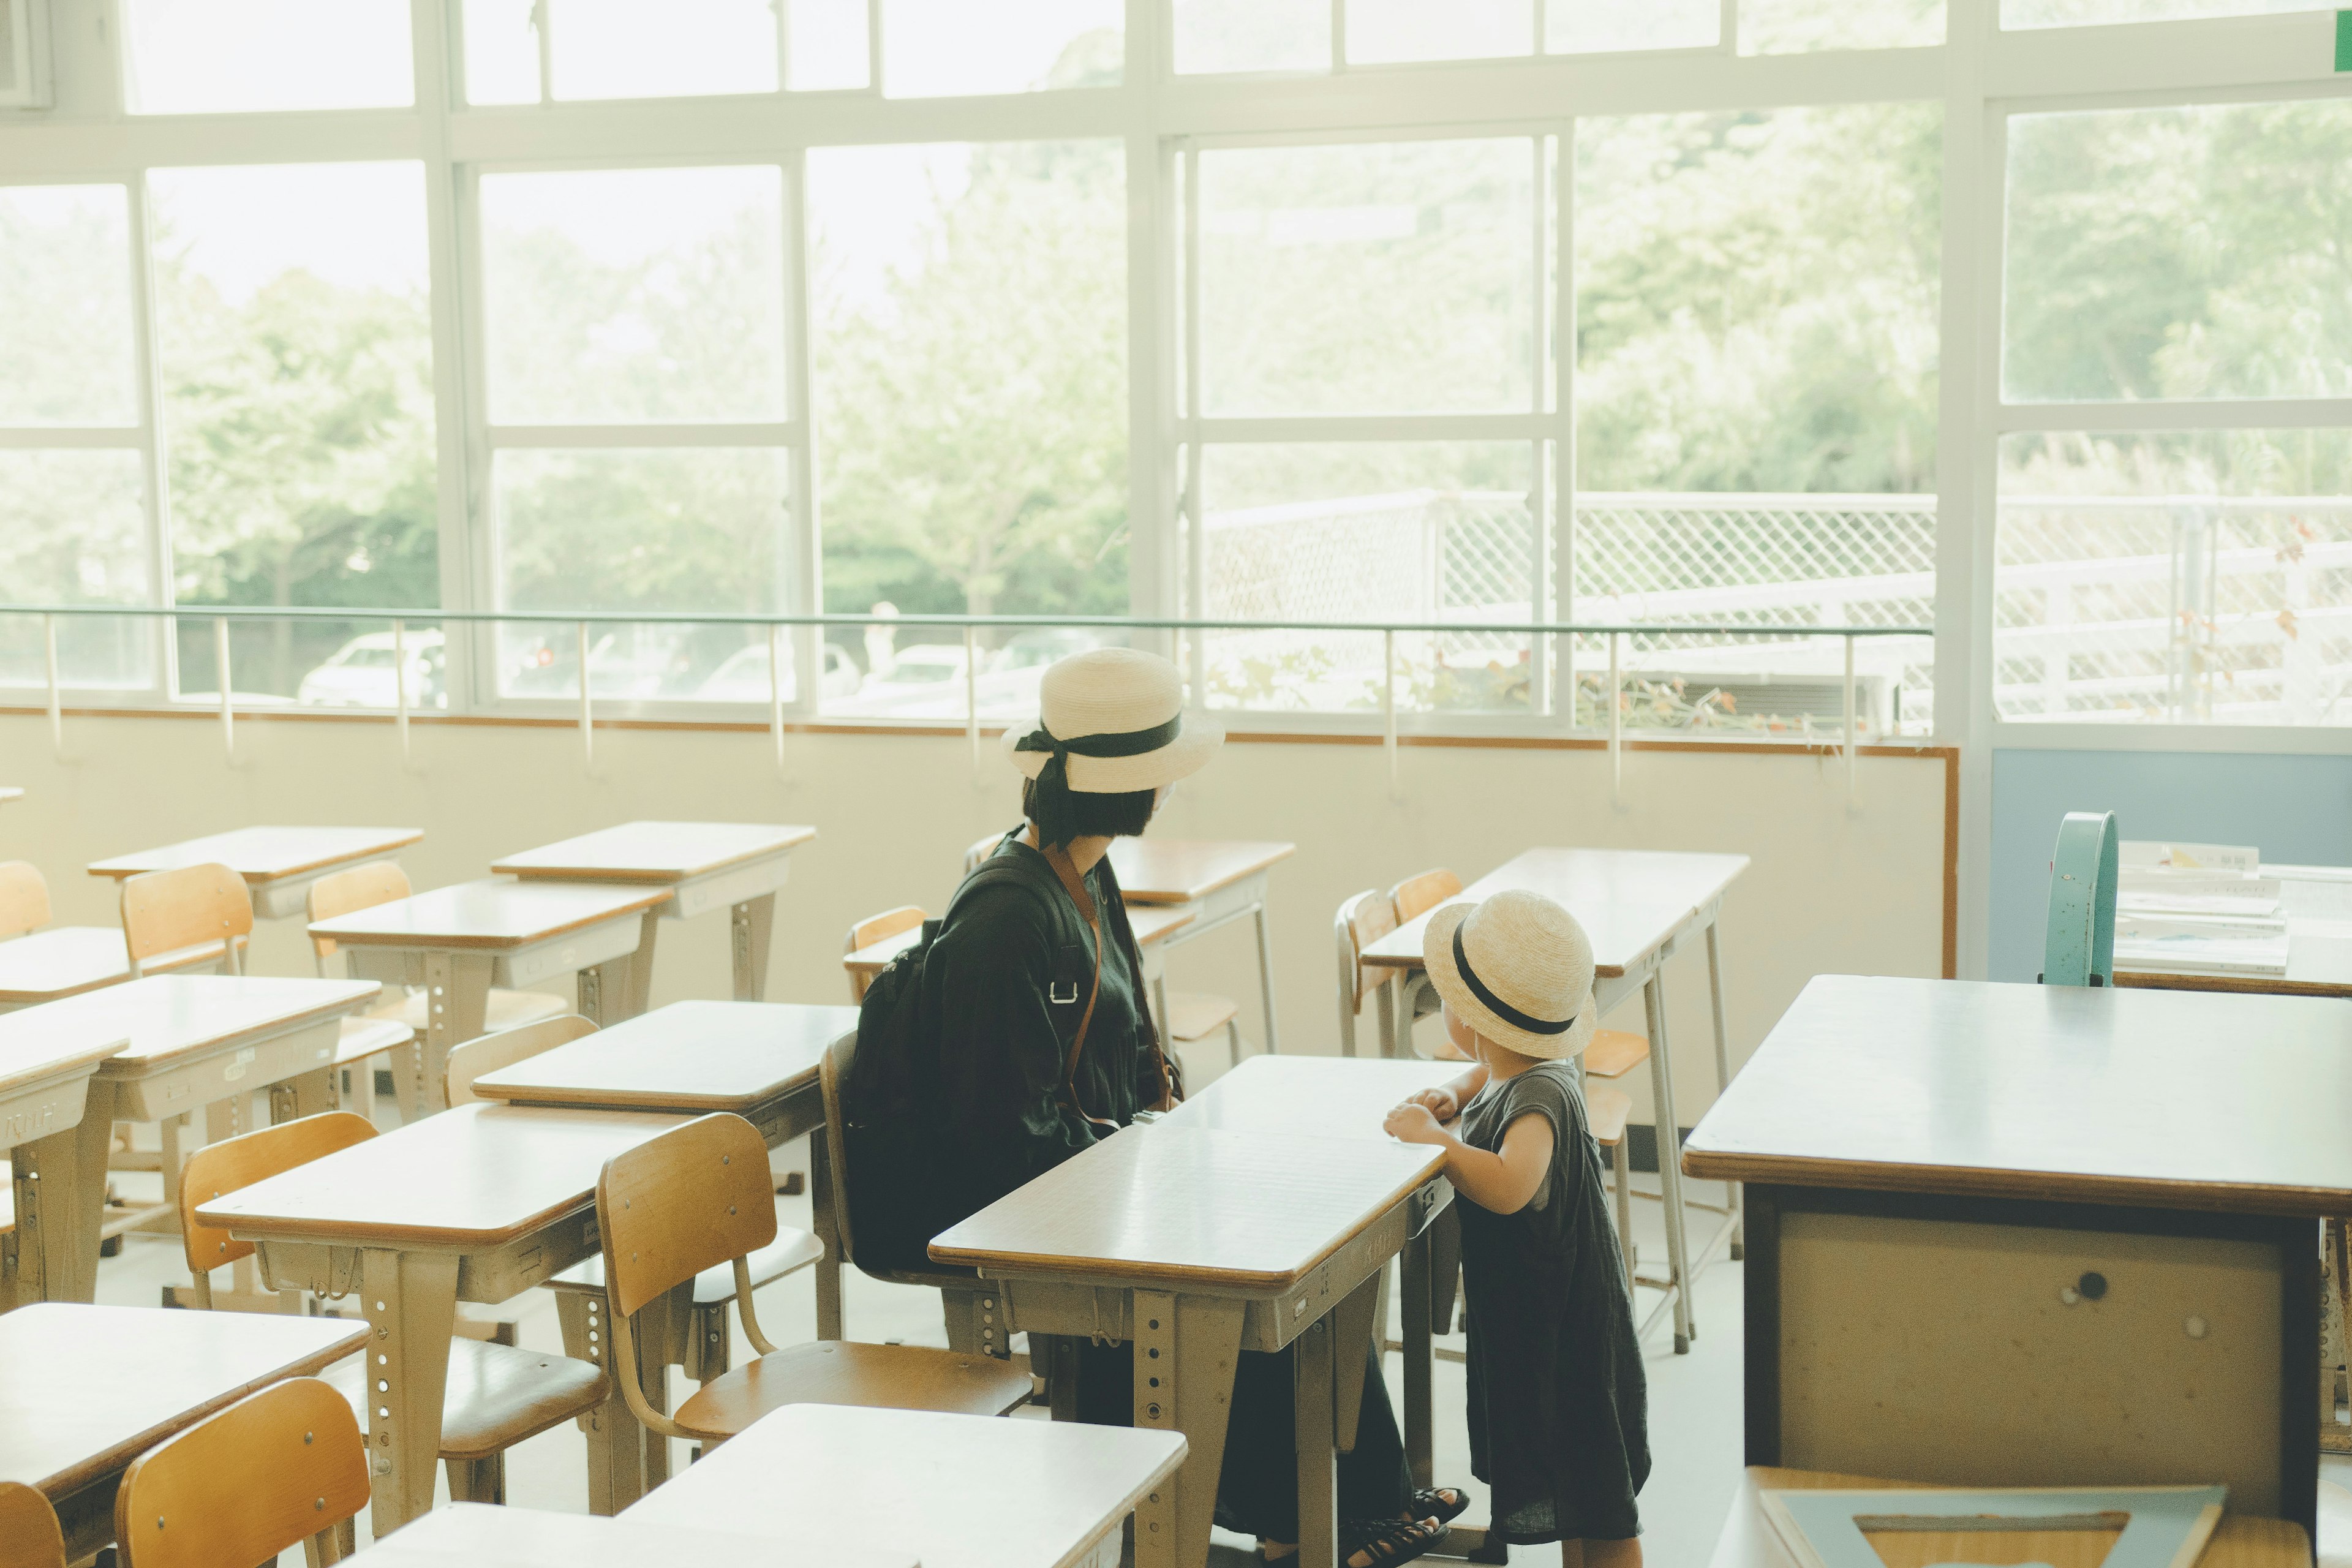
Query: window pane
{"points": [[1605, 25], [1794, 26], [1757, 398], [824, 45], [634, 295], [297, 364], [1381, 278], [2188, 252], [2199, 577], [936, 48], [1253, 36], [66, 354], [204, 57], [972, 423], [623, 49], [1384, 30], [73, 530], [2083, 13], [502, 52], [1425, 531]]}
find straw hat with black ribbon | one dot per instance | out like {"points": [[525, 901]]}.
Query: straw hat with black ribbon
{"points": [[1518, 968], [1110, 720]]}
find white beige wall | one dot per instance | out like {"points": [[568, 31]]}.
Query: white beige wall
{"points": [[1832, 889]]}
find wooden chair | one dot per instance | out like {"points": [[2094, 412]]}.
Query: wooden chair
{"points": [[875, 928], [487, 1053], [1361, 922], [380, 882], [1606, 1108], [1417, 999], [188, 909], [1196, 1015], [1614, 1053], [29, 1537], [497, 1394], [698, 1196], [23, 898], [282, 1466]]}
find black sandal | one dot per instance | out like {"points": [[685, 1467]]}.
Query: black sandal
{"points": [[1386, 1542], [1432, 1504]]}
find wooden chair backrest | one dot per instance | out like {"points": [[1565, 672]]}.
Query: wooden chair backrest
{"points": [[1363, 920], [695, 1197], [832, 1073], [29, 1537], [23, 898], [360, 888], [239, 1162], [874, 929], [164, 912], [491, 1052], [1416, 895], [278, 1467]]}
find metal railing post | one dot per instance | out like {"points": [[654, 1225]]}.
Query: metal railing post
{"points": [[57, 704], [229, 708], [1387, 704], [1850, 725], [972, 696], [587, 717], [400, 685], [1616, 723], [776, 693]]}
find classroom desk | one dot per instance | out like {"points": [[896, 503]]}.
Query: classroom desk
{"points": [[1152, 924], [2318, 909], [1168, 1236], [1218, 879], [953, 1491], [1748, 1540], [476, 1535], [85, 1389], [458, 942], [65, 961], [278, 864], [479, 1204], [1638, 907], [54, 1150], [703, 864], [1939, 1169]]}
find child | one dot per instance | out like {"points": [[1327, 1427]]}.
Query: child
{"points": [[1556, 1391]]}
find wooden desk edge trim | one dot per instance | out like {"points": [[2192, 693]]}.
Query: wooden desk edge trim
{"points": [[113, 866], [82, 1063], [1195, 894], [2241, 984], [1972, 1181], [659, 896], [651, 1102], [531, 873], [284, 1024], [375, 1236]]}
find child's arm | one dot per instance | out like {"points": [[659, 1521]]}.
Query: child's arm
{"points": [[1446, 1101], [1501, 1182]]}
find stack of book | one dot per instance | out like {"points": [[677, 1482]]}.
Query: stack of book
{"points": [[2197, 909]]}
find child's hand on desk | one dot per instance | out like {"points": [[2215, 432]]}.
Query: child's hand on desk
{"points": [[1412, 1122], [1440, 1102]]}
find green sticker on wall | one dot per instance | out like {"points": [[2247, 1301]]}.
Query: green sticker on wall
{"points": [[2343, 41]]}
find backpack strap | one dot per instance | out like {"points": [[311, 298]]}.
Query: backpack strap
{"points": [[1075, 886]]}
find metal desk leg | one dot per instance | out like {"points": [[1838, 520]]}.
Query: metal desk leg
{"points": [[1413, 1278], [1723, 1070], [749, 925], [1353, 1322], [1670, 1166], [1186, 1352], [1384, 1002], [641, 967], [1265, 974], [616, 1476], [1318, 1475], [411, 1300], [60, 1189], [828, 1231], [456, 1001]]}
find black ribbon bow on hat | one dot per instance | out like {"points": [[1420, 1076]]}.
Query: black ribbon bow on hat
{"points": [[1054, 812]]}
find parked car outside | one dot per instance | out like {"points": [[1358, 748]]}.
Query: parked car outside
{"points": [[359, 674], [744, 678]]}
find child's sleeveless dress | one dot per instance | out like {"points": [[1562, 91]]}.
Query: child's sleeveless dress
{"points": [[1557, 1395]]}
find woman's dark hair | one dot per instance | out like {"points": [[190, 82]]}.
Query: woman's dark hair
{"points": [[1088, 816]]}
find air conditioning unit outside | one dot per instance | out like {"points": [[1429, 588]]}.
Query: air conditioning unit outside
{"points": [[24, 54]]}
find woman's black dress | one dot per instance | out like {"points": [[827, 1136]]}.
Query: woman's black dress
{"points": [[1558, 1394]]}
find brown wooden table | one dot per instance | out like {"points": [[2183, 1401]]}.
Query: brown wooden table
{"points": [[2091, 1255], [705, 865], [54, 1150], [85, 1389], [458, 942], [278, 864], [1217, 880], [1172, 1237], [65, 961], [953, 1491], [479, 1204]]}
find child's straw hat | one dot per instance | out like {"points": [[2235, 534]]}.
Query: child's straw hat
{"points": [[1519, 968]]}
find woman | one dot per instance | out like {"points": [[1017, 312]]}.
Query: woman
{"points": [[1033, 999]]}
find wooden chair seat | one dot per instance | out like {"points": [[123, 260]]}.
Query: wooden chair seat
{"points": [[792, 1250], [1605, 1112], [1197, 1015], [364, 1036], [507, 1010], [843, 1371], [1606, 1108], [498, 1396], [1614, 1053]]}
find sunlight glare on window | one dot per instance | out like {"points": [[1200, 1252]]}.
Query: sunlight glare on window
{"points": [[502, 52], [933, 48], [623, 49], [66, 354], [231, 57], [1214, 35], [1385, 31], [825, 46], [1594, 26]]}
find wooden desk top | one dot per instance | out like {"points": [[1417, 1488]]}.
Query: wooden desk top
{"points": [[1191, 1205], [954, 1491], [475, 1535], [2045, 1091], [489, 914], [34, 1048], [1630, 901], [463, 1181], [167, 1016], [85, 1389], [65, 961], [1152, 923], [1336, 1097], [656, 851], [265, 854], [1185, 871], [690, 1056], [1748, 1540]]}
